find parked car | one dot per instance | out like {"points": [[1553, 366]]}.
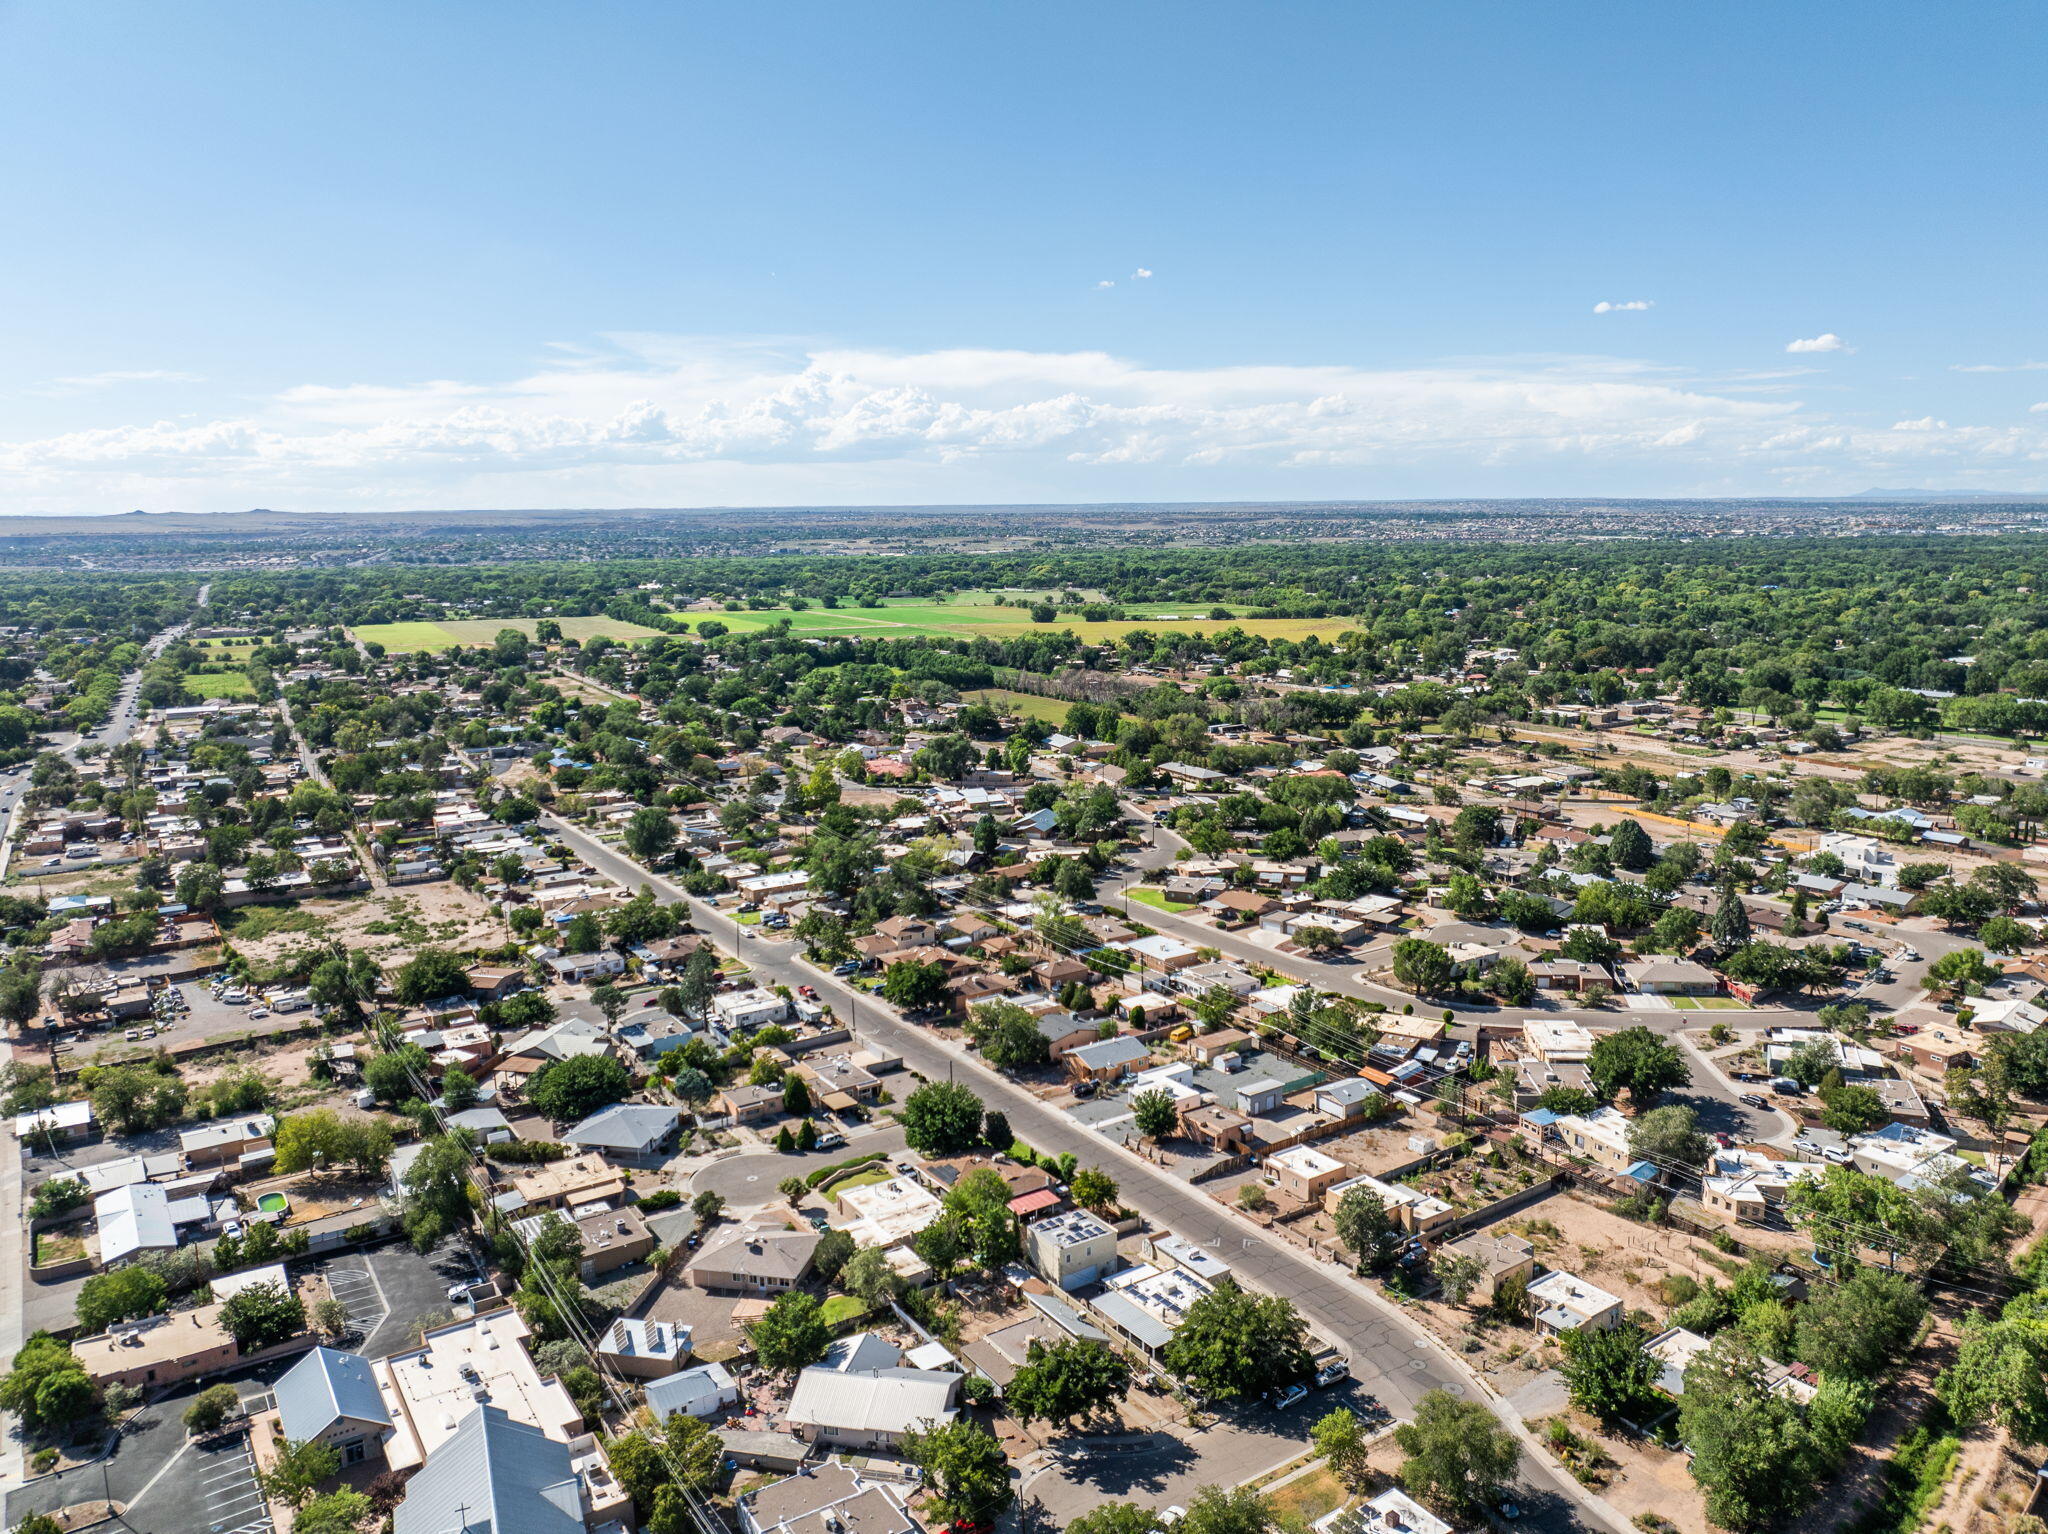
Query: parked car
{"points": [[1750, 1099], [1293, 1395]]}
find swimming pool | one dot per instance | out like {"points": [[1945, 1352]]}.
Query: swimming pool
{"points": [[273, 1203]]}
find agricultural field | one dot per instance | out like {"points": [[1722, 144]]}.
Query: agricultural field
{"points": [[406, 638], [219, 684], [1052, 711], [975, 615]]}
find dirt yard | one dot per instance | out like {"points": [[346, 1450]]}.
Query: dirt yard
{"points": [[387, 924]]}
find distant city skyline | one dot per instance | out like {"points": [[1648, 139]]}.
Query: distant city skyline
{"points": [[386, 256]]}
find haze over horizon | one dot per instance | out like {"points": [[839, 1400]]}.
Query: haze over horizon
{"points": [[382, 258]]}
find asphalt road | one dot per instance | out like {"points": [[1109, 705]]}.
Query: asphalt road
{"points": [[746, 1181], [1389, 1358]]}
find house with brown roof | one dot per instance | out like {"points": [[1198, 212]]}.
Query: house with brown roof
{"points": [[753, 1260]]}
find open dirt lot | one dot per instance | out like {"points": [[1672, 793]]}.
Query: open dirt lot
{"points": [[387, 924]]}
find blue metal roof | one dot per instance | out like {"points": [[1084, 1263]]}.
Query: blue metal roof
{"points": [[493, 1476], [323, 1387]]}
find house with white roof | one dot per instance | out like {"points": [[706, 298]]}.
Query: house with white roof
{"points": [[1564, 1302]]}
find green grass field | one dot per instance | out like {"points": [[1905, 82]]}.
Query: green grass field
{"points": [[1156, 899], [219, 684], [978, 614], [406, 638], [1052, 710]]}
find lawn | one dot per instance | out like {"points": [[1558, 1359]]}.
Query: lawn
{"points": [[1706, 1003], [862, 1179], [219, 684], [1309, 1496], [841, 1308], [1052, 710], [1156, 900], [404, 638]]}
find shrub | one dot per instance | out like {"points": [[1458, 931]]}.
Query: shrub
{"points": [[665, 1198]]}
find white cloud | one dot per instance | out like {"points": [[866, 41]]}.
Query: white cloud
{"points": [[88, 383], [670, 420], [1998, 367], [2043, 406], [1830, 342], [1141, 274], [1925, 423], [1606, 306], [1107, 282]]}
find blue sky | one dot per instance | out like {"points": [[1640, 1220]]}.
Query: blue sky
{"points": [[372, 256]]}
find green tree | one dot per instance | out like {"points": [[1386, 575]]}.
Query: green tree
{"points": [[967, 1477], [1607, 1371], [1366, 1228], [792, 1334], [1636, 1061], [1729, 926], [1237, 1510], [1093, 1188], [396, 1074], [1752, 1454], [1074, 1378], [650, 834], [1341, 1440], [429, 975], [2000, 1375], [47, 1387], [458, 1090], [123, 1294], [1860, 1325], [1233, 1343], [577, 1087], [1423, 967], [297, 1469], [1670, 1136], [913, 986], [796, 1096], [1457, 1454], [1008, 1036], [1457, 1274], [1156, 1113], [1104, 1517], [262, 1315], [211, 1407], [339, 1512], [437, 1191], [941, 1118], [1853, 1109]]}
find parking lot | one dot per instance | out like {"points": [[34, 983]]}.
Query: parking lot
{"points": [[169, 1484], [390, 1289], [231, 1499]]}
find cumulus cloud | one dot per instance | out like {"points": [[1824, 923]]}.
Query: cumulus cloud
{"points": [[1608, 306], [1141, 274], [1107, 282], [1925, 423], [1829, 342], [641, 420]]}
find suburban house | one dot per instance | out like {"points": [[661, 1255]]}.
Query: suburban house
{"points": [[1502, 1257], [753, 1261], [1563, 1302], [705, 1391], [865, 1398], [1106, 1059], [627, 1131], [1071, 1249], [1670, 977]]}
